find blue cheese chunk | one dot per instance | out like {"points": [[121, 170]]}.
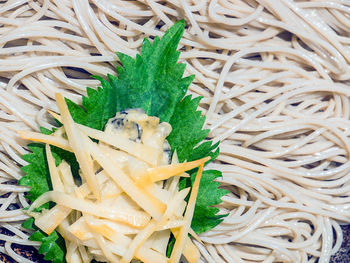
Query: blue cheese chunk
{"points": [[137, 126]]}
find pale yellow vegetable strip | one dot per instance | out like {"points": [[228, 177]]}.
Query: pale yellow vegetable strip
{"points": [[144, 254], [159, 173], [73, 255], [175, 158], [105, 248], [160, 241], [84, 255], [68, 256], [173, 185], [128, 216], [80, 229], [141, 151], [67, 235], [84, 188], [195, 236], [142, 236], [145, 200], [91, 243], [49, 139], [137, 242], [181, 237], [191, 252], [174, 203], [75, 140], [57, 184], [120, 240], [65, 172], [180, 209], [116, 227], [55, 115], [172, 224], [63, 230], [102, 243], [97, 252], [150, 256], [49, 220], [118, 248], [67, 243]]}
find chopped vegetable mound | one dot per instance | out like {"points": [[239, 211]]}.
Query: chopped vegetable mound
{"points": [[131, 203], [152, 82]]}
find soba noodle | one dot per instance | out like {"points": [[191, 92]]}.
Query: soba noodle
{"points": [[274, 75]]}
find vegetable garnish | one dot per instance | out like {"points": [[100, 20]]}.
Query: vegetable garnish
{"points": [[152, 82]]}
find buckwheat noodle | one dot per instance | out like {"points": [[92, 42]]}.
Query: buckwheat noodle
{"points": [[274, 77]]}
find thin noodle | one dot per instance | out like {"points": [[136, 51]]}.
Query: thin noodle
{"points": [[274, 76]]}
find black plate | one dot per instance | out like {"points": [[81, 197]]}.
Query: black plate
{"points": [[343, 255]]}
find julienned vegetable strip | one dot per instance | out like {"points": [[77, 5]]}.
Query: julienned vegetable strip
{"points": [[39, 137], [128, 216], [148, 202], [77, 144], [151, 175], [182, 235], [52, 218], [144, 152], [159, 173], [56, 181]]}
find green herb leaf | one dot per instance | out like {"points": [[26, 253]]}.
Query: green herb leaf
{"points": [[209, 194], [97, 108], [171, 244], [29, 224], [36, 172], [153, 81], [52, 246], [187, 133]]}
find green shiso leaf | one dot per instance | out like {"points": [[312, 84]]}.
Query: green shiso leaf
{"points": [[154, 82], [35, 172], [52, 246], [205, 215], [187, 133], [99, 106]]}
